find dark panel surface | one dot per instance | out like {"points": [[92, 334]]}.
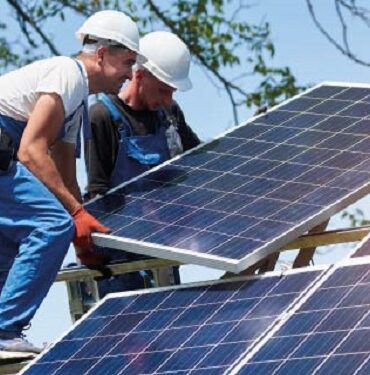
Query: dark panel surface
{"points": [[258, 186], [183, 330], [363, 249], [328, 334]]}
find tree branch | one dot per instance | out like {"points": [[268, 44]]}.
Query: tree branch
{"points": [[26, 19], [229, 86], [212, 32], [344, 50]]}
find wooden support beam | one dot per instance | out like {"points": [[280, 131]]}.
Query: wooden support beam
{"points": [[12, 368], [78, 273], [12, 363], [328, 238]]}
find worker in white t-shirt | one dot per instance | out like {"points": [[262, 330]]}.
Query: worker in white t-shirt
{"points": [[42, 107]]}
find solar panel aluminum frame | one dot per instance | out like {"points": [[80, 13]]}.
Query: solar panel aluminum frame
{"points": [[283, 316], [228, 264], [329, 272], [243, 360]]}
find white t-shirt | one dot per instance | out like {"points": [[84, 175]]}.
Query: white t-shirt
{"points": [[21, 88]]}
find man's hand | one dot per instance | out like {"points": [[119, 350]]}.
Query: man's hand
{"points": [[90, 258], [94, 261], [85, 224]]}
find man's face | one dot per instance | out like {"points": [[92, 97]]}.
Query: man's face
{"points": [[155, 93], [117, 68]]}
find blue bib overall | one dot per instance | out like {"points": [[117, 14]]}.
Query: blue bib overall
{"points": [[136, 154], [35, 233]]}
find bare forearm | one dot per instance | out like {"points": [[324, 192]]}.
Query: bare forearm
{"points": [[63, 155], [43, 167], [76, 192], [40, 134]]}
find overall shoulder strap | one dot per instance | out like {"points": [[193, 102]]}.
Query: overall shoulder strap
{"points": [[167, 118], [124, 121], [161, 120], [113, 110]]}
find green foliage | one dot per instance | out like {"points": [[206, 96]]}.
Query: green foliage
{"points": [[355, 217], [219, 38], [7, 58]]}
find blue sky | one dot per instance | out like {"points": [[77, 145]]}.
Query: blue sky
{"points": [[299, 45]]}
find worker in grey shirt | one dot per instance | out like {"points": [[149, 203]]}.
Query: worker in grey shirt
{"points": [[140, 128]]}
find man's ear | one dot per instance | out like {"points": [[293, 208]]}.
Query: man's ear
{"points": [[100, 52], [139, 74]]}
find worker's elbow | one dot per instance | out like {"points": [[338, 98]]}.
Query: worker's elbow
{"points": [[24, 156]]}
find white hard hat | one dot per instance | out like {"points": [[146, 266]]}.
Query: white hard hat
{"points": [[168, 59], [111, 25]]}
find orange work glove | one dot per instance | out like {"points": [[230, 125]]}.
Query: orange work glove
{"points": [[85, 224]]}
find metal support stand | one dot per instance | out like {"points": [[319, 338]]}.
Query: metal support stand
{"points": [[305, 255], [307, 242], [83, 291], [80, 300]]}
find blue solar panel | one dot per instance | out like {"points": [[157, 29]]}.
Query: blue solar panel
{"points": [[199, 329], [360, 127], [236, 199], [327, 334], [363, 249]]}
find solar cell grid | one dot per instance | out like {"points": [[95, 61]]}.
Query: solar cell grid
{"points": [[199, 329], [332, 325], [354, 94], [297, 154], [284, 152], [252, 148], [360, 127], [361, 146], [363, 249], [330, 107], [304, 121], [323, 196], [334, 124], [325, 92]]}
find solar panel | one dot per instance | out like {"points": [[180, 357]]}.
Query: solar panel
{"points": [[363, 249], [195, 329], [231, 202], [327, 334]]}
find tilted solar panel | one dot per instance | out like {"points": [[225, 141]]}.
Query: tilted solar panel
{"points": [[182, 330], [242, 196], [328, 334], [363, 249]]}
